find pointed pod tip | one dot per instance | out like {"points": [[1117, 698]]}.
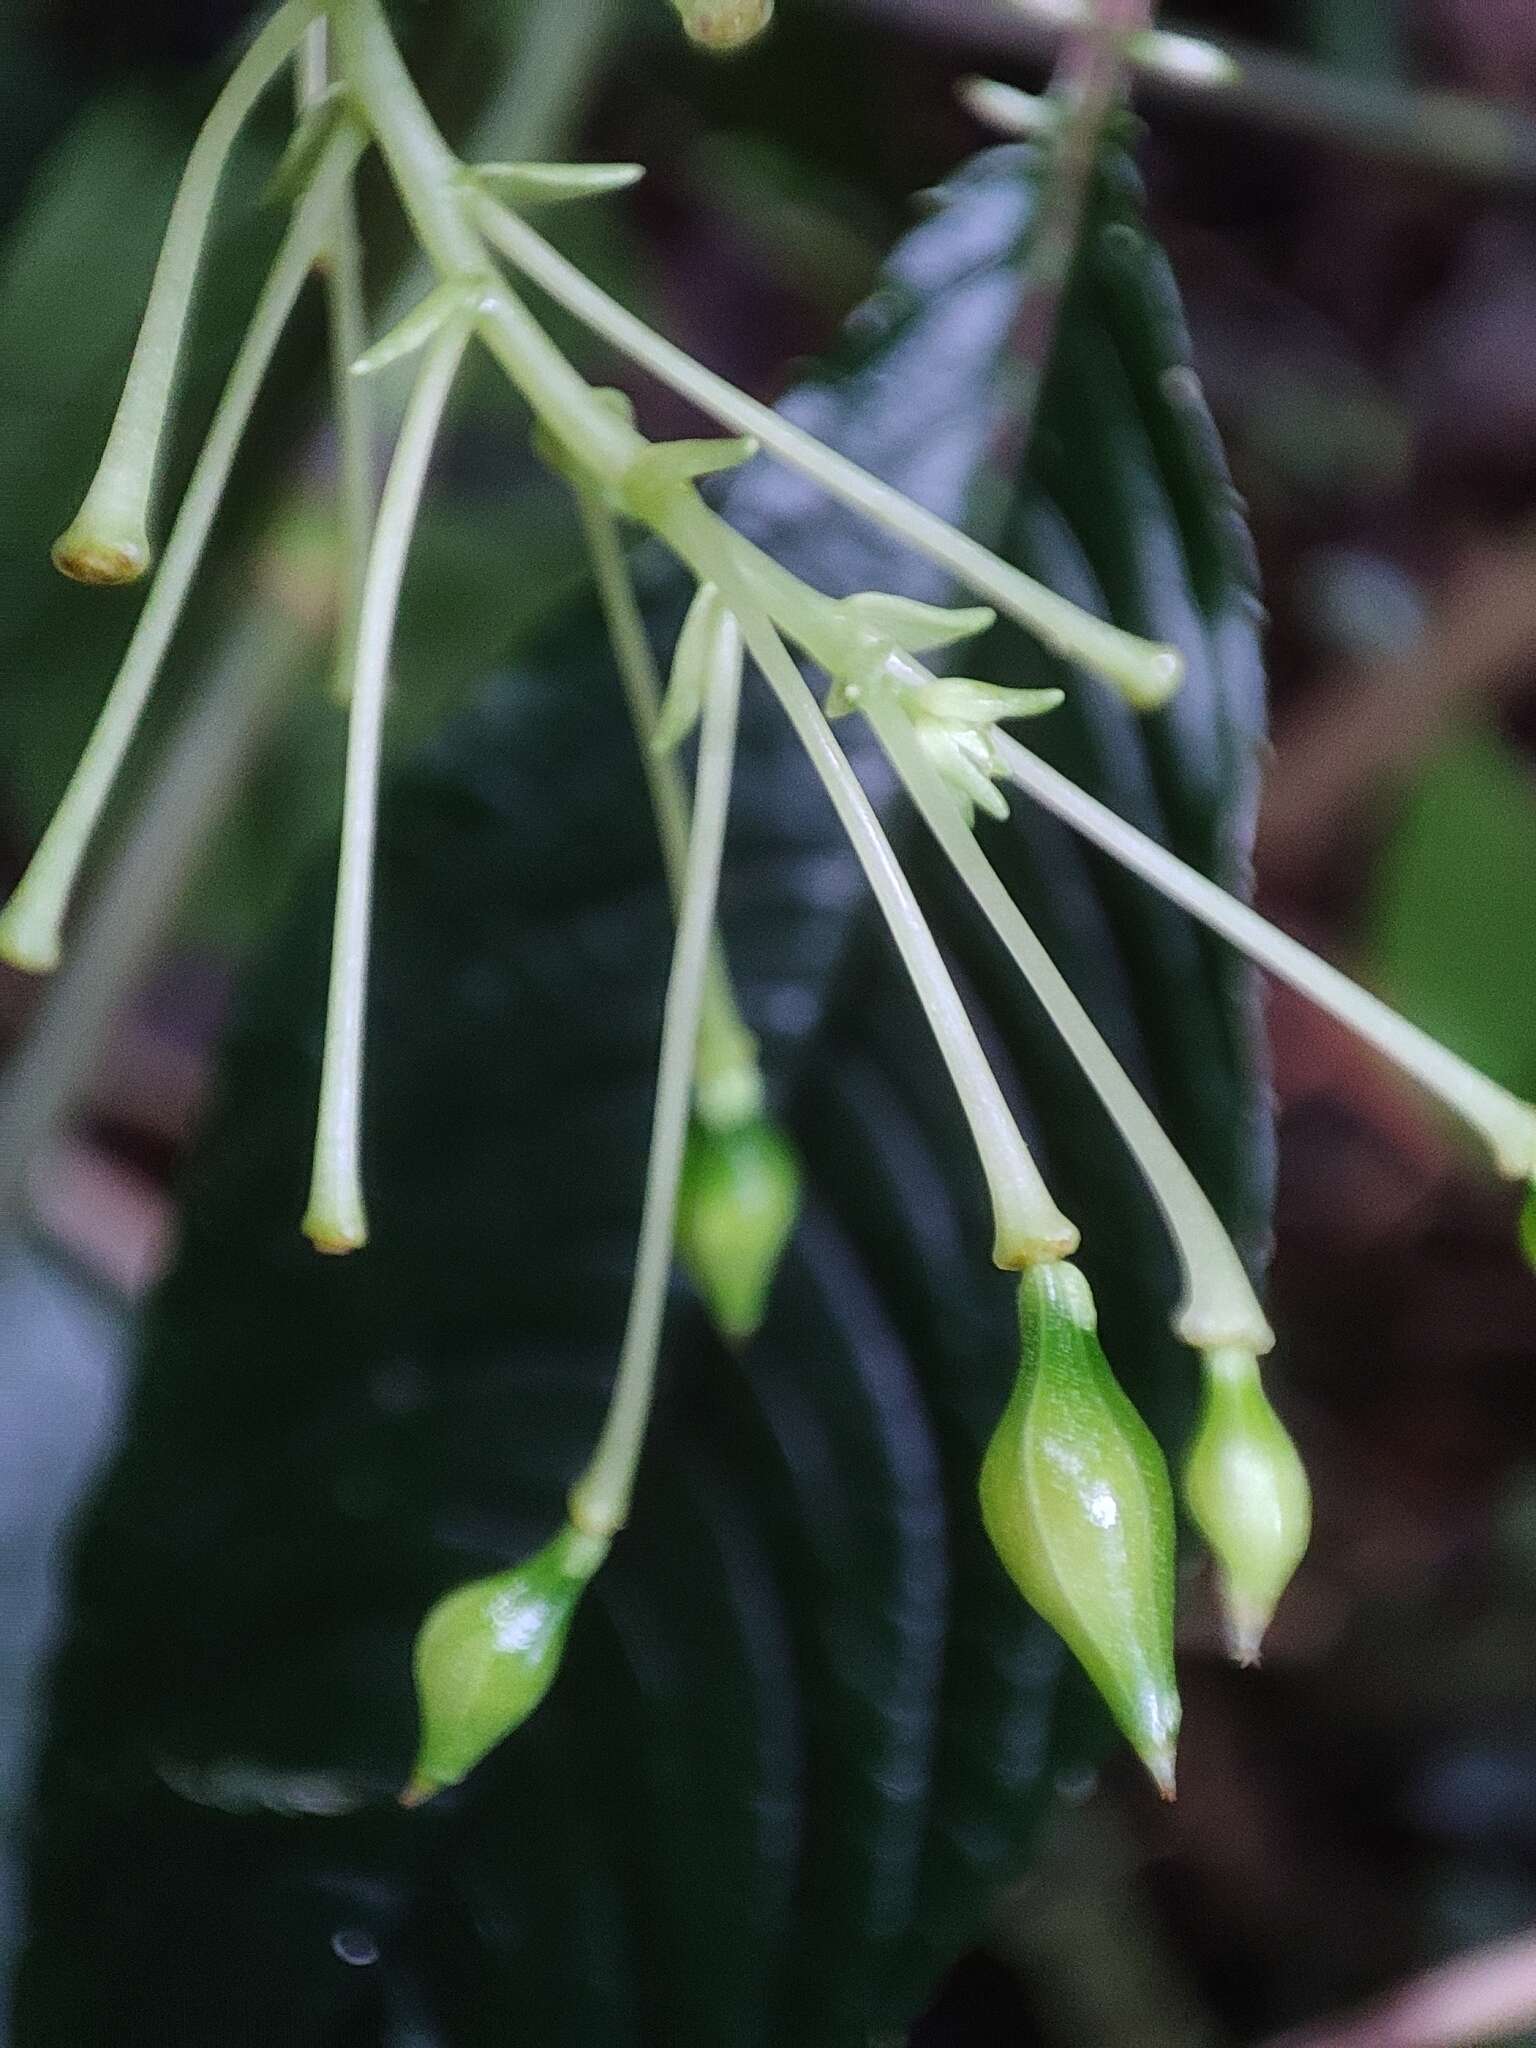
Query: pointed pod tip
{"points": [[1246, 1627], [1160, 1759], [419, 1791]]}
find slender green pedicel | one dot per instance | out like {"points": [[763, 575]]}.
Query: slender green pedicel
{"points": [[107, 541], [488, 1653], [1528, 1225], [1247, 1494], [1076, 1500], [737, 1205]]}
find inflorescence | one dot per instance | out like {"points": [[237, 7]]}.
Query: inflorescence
{"points": [[1074, 1491]]}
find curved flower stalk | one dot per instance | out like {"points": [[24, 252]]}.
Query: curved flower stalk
{"points": [[1074, 1492], [31, 926], [108, 539], [320, 104], [335, 1220]]}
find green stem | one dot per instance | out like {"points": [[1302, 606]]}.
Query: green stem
{"points": [[1219, 1306], [728, 1084], [336, 1219], [31, 927], [425, 170], [312, 66], [352, 400], [1029, 1226], [760, 591], [108, 539], [438, 194], [1506, 1123], [431, 183], [600, 1498], [1145, 674]]}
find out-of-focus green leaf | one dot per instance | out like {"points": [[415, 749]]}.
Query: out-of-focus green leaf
{"points": [[481, 577], [1451, 938], [805, 1725]]}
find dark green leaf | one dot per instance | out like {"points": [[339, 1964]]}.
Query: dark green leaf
{"points": [[805, 1726]]}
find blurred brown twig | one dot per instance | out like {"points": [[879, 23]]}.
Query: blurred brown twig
{"points": [[1452, 135]]}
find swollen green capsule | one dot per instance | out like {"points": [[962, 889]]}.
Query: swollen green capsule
{"points": [[1076, 1499], [487, 1654], [724, 24], [1248, 1496], [739, 1198]]}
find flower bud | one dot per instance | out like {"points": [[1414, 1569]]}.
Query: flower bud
{"points": [[914, 626], [662, 468], [953, 719], [737, 1205], [487, 1654], [454, 299], [724, 24], [709, 634], [534, 184], [1076, 1499], [959, 701], [965, 758], [1247, 1494]]}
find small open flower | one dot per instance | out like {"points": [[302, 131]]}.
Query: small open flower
{"points": [[954, 720]]}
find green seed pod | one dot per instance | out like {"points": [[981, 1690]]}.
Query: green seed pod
{"points": [[1248, 1496], [487, 1654], [1528, 1224], [739, 1198], [1076, 1499], [724, 24]]}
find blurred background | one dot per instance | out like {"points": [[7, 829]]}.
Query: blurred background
{"points": [[1353, 224]]}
